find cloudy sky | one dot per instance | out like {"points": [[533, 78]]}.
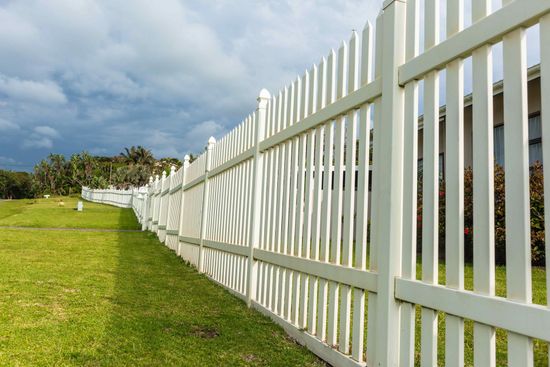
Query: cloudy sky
{"points": [[99, 75], [167, 74]]}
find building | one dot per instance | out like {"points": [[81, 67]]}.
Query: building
{"points": [[535, 131]]}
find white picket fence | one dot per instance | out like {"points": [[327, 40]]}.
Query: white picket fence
{"points": [[134, 198], [253, 212], [120, 198]]}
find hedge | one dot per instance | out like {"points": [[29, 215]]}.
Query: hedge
{"points": [[536, 186]]}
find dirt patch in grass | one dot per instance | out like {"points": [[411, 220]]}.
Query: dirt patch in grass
{"points": [[204, 332]]}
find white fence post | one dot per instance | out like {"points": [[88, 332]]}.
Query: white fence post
{"points": [[161, 200], [390, 194], [211, 143], [154, 203], [165, 203], [148, 205], [255, 202], [145, 209], [169, 194], [186, 161]]}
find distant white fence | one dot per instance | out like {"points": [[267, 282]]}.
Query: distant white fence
{"points": [[134, 198], [255, 215]]}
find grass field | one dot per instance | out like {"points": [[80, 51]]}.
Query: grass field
{"points": [[48, 213], [118, 299]]}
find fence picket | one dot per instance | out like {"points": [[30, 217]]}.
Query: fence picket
{"points": [[518, 226], [410, 187], [454, 189], [482, 127], [545, 96]]}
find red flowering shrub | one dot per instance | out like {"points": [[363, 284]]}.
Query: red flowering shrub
{"points": [[537, 215]]}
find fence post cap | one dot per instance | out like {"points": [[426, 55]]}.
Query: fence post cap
{"points": [[211, 142], [263, 98], [163, 174], [187, 158], [264, 95], [156, 177], [172, 169], [151, 179], [389, 2]]}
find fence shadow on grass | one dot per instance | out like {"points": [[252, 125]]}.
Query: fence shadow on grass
{"points": [[165, 313]]}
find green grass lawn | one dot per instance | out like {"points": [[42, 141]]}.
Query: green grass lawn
{"points": [[104, 299], [539, 297], [48, 213]]}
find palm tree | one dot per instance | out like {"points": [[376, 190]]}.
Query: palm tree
{"points": [[82, 166], [138, 156]]}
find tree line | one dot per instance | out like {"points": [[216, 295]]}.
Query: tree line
{"points": [[58, 175]]}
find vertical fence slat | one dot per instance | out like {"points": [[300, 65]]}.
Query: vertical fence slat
{"points": [[292, 213], [516, 157], [306, 170], [287, 157], [280, 165], [329, 83], [348, 212], [483, 187], [310, 203], [372, 322], [337, 200], [316, 102], [362, 207], [259, 120], [545, 116], [298, 300], [232, 201], [291, 171], [269, 225], [454, 189], [306, 238], [430, 186], [410, 186], [316, 226]]}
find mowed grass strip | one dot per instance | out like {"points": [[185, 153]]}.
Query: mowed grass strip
{"points": [[123, 299], [48, 213]]}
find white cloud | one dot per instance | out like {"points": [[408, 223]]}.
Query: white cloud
{"points": [[37, 142], [197, 137], [47, 92], [7, 160], [42, 137], [46, 131], [6, 125]]}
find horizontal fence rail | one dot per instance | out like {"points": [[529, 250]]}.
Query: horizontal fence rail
{"points": [[308, 209]]}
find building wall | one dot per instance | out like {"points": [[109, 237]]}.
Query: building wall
{"points": [[534, 107]]}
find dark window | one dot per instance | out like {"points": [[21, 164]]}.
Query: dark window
{"points": [[535, 141]]}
